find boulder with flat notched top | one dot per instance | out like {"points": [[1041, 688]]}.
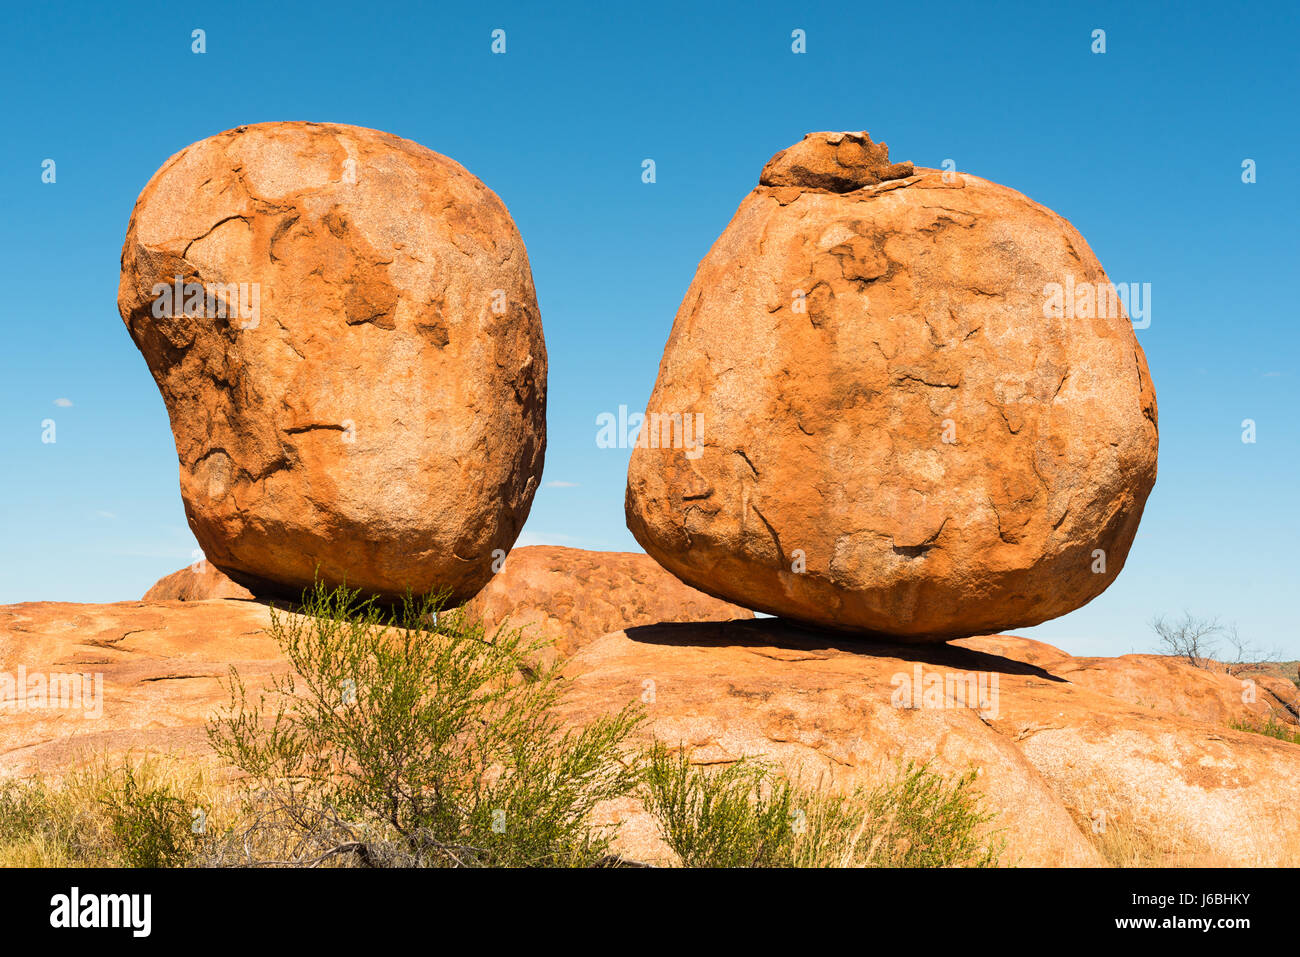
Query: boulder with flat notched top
{"points": [[917, 409]]}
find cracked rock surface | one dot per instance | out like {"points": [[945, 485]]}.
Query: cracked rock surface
{"points": [[1059, 744], [896, 432], [380, 414], [1065, 747]]}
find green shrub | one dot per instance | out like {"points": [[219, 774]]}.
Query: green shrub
{"points": [[737, 816], [151, 825], [407, 737], [748, 815], [924, 819]]}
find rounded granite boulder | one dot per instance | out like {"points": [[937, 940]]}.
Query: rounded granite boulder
{"points": [[345, 332], [896, 401]]}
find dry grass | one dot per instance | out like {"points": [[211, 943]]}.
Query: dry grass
{"points": [[68, 821], [1126, 842], [102, 813]]}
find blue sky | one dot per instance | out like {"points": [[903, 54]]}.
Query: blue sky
{"points": [[1140, 147]]}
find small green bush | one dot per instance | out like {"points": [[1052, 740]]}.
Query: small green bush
{"points": [[151, 825], [924, 819], [405, 736], [739, 815], [748, 815]]}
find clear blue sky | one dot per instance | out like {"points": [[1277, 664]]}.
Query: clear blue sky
{"points": [[1140, 147]]}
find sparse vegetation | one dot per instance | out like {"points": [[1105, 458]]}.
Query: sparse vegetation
{"points": [[1200, 642], [1272, 728], [1122, 842], [737, 816], [405, 736], [408, 738], [150, 824], [137, 813], [748, 815]]}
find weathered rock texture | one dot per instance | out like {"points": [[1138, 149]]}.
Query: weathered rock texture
{"points": [[1162, 683], [1067, 745], [190, 585], [1070, 770], [161, 668], [838, 162], [377, 410], [894, 430], [569, 597]]}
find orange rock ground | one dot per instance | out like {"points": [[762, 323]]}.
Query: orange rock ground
{"points": [[570, 597], [1070, 751]]}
